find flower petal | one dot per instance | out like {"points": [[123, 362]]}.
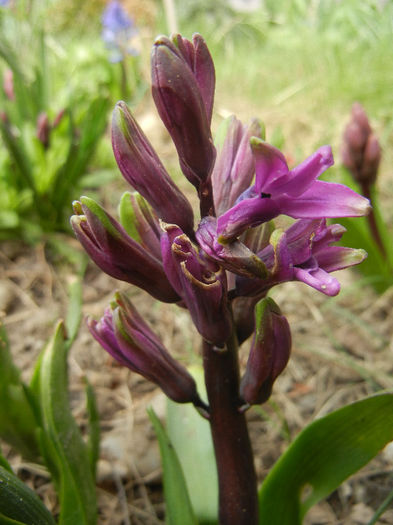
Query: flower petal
{"points": [[318, 279], [301, 177], [270, 164], [324, 199]]}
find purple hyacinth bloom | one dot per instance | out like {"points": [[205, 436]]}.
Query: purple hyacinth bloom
{"points": [[297, 193], [269, 353], [118, 29], [125, 336], [304, 253], [201, 284], [116, 253]]}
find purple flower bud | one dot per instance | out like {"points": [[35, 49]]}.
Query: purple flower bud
{"points": [[269, 353], [141, 167], [58, 118], [43, 129], [361, 152], [8, 84], [109, 246], [182, 88], [201, 284], [297, 193], [124, 334], [243, 316], [235, 166], [140, 222]]}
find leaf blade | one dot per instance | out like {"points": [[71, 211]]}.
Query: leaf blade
{"points": [[323, 455]]}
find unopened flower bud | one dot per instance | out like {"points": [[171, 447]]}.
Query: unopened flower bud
{"points": [[124, 334], [269, 353], [235, 166], [361, 152], [43, 129], [8, 84], [141, 167], [58, 118], [116, 253], [183, 87]]}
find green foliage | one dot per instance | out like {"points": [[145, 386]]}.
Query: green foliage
{"points": [[38, 422], [54, 114], [63, 447], [19, 419], [19, 505], [191, 438], [179, 510], [322, 456]]}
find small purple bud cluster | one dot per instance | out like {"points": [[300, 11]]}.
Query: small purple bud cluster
{"points": [[361, 152], [118, 30], [222, 270]]}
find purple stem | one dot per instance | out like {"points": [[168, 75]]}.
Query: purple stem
{"points": [[238, 499]]}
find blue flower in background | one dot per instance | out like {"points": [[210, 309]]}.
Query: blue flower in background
{"points": [[118, 29], [4, 3]]}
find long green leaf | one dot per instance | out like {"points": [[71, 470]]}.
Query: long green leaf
{"points": [[19, 504], [73, 473], [178, 505], [191, 437], [15, 399], [323, 455]]}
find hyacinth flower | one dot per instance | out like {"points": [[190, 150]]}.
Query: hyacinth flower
{"points": [[221, 268], [304, 253], [296, 193], [118, 29]]}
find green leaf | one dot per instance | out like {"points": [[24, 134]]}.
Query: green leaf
{"points": [[191, 438], [74, 311], [19, 504], [178, 505], [18, 419], [67, 451], [323, 455], [93, 443]]}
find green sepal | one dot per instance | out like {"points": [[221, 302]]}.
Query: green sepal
{"points": [[128, 217]]}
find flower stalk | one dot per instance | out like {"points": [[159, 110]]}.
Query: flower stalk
{"points": [[238, 501]]}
